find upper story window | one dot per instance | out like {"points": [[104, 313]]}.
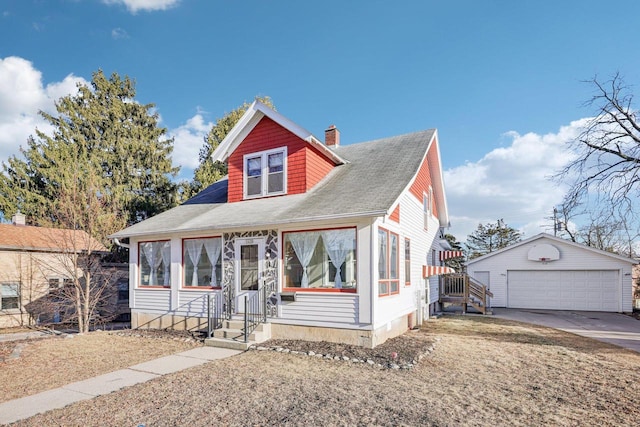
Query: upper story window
{"points": [[427, 200], [265, 173]]}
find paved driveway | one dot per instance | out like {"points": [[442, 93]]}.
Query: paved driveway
{"points": [[614, 328]]}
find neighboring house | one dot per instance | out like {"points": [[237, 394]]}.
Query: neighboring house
{"points": [[34, 268], [338, 235], [547, 272]]}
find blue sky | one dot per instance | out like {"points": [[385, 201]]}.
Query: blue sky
{"points": [[501, 80]]}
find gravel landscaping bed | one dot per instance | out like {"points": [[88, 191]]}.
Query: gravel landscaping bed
{"points": [[402, 352]]}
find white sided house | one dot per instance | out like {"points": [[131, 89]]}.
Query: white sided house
{"points": [[547, 272], [320, 241]]}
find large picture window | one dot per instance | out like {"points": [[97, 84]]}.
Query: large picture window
{"points": [[323, 259], [388, 281], [202, 262], [155, 263], [265, 173]]}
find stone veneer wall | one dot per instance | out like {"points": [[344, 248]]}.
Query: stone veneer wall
{"points": [[271, 262]]}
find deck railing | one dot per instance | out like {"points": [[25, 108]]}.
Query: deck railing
{"points": [[459, 288]]}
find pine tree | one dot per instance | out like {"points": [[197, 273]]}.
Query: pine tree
{"points": [[101, 130], [491, 237]]}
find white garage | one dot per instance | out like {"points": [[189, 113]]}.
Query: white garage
{"points": [[547, 272], [588, 290]]}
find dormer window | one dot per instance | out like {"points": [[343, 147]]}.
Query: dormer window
{"points": [[265, 173]]}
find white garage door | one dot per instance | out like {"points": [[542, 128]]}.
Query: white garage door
{"points": [[590, 290]]}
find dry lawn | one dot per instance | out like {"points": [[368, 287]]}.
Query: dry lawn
{"points": [[47, 363], [483, 371]]}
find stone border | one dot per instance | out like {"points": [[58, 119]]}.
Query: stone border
{"points": [[365, 362]]}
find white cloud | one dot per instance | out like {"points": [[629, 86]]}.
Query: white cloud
{"points": [[119, 33], [511, 183], [188, 139], [22, 95], [145, 5]]}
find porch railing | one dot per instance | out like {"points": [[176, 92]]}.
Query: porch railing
{"points": [[219, 308], [255, 311]]}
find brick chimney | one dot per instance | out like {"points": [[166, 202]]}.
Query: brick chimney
{"points": [[18, 219], [332, 136]]}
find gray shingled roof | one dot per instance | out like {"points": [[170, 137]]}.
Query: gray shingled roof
{"points": [[377, 173]]}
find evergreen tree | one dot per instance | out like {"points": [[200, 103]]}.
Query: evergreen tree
{"points": [[208, 171], [456, 263], [102, 133], [491, 237]]}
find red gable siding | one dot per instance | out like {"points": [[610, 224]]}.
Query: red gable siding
{"points": [[395, 215], [423, 179], [305, 165], [318, 166]]}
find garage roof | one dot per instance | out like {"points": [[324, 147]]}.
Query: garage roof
{"points": [[559, 240]]}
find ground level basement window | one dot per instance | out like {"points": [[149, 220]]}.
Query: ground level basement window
{"points": [[320, 260]]}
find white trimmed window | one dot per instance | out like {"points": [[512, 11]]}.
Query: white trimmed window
{"points": [[265, 173], [9, 299], [426, 207]]}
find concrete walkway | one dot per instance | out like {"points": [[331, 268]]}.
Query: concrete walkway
{"points": [[25, 407], [18, 336], [613, 328]]}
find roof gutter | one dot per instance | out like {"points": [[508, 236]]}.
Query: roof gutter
{"points": [[119, 243], [376, 213]]}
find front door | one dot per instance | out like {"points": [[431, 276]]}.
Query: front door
{"points": [[249, 262]]}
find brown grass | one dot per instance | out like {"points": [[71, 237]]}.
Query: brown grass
{"points": [[47, 363], [483, 371]]}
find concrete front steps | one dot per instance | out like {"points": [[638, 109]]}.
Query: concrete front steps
{"points": [[231, 335]]}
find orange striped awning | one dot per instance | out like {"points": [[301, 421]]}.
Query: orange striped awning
{"points": [[444, 255], [435, 270]]}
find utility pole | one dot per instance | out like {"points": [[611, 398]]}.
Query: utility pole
{"points": [[557, 224]]}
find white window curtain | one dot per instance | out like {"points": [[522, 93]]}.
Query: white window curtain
{"points": [[194, 249], [151, 251], [338, 244], [213, 248], [304, 244], [382, 255], [166, 259]]}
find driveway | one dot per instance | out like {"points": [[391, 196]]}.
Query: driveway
{"points": [[613, 328]]}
